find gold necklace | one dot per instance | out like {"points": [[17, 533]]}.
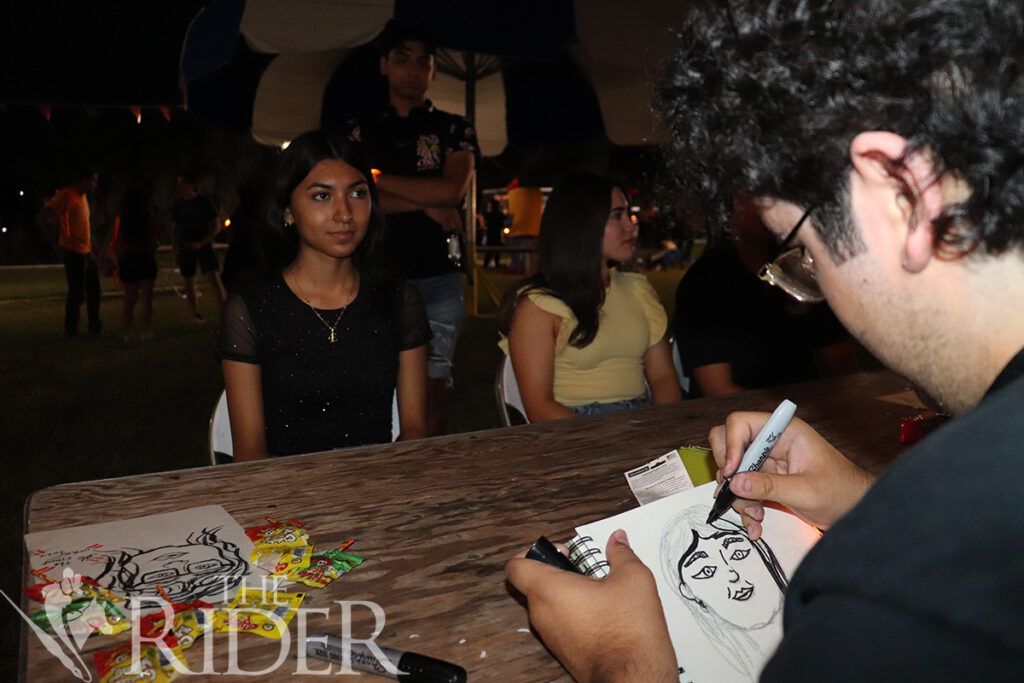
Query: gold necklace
{"points": [[333, 337]]}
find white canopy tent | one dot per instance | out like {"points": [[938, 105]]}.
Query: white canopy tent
{"points": [[619, 51]]}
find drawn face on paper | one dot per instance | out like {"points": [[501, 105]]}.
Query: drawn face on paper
{"points": [[184, 572], [722, 572], [203, 566]]}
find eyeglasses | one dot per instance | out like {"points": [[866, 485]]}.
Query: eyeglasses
{"points": [[793, 270]]}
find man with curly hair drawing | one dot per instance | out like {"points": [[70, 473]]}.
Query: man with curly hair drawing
{"points": [[884, 142]]}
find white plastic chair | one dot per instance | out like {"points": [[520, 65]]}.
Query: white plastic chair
{"points": [[220, 429], [506, 392]]}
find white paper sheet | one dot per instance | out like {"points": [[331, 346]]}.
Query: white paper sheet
{"points": [[199, 553], [722, 594]]}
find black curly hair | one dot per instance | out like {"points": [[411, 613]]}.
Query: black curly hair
{"points": [[764, 98]]}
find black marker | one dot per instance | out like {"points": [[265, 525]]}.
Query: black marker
{"points": [[545, 551], [412, 668], [755, 454]]}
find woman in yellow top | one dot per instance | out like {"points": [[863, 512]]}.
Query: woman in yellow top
{"points": [[582, 337]]}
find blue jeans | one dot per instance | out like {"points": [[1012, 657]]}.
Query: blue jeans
{"points": [[613, 407], [444, 299]]}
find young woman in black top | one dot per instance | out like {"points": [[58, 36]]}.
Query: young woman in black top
{"points": [[313, 353]]}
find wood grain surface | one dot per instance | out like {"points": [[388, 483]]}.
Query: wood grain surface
{"points": [[438, 518]]}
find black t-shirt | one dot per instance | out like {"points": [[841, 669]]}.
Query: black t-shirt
{"points": [[725, 314], [193, 217], [319, 395], [415, 146], [922, 580]]}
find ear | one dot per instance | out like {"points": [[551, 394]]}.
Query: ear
{"points": [[383, 66], [904, 186]]}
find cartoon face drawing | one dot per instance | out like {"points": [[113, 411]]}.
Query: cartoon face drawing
{"points": [[724, 573], [720, 573], [201, 567]]}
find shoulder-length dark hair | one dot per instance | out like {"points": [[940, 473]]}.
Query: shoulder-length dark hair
{"points": [[294, 164], [570, 253]]}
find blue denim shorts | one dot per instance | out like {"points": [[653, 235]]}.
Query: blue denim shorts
{"points": [[614, 406], [444, 299]]}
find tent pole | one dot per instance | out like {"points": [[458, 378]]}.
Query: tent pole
{"points": [[470, 218]]}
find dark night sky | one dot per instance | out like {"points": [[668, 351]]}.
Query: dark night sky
{"points": [[95, 53]]}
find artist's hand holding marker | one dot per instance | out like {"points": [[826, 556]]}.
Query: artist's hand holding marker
{"points": [[803, 472], [599, 629]]}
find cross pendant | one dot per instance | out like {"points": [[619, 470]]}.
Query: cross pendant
{"points": [[332, 337]]}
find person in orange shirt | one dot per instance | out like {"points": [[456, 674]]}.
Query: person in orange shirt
{"points": [[66, 214]]}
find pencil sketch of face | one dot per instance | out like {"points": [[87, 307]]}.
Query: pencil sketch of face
{"points": [[721, 571]]}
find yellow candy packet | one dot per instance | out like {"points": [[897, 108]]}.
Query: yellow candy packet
{"points": [[188, 626], [255, 611], [281, 561], [280, 547], [279, 535]]}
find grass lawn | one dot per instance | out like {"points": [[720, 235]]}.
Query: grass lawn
{"points": [[92, 407]]}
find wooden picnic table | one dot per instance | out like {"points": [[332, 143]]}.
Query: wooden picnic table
{"points": [[438, 518]]}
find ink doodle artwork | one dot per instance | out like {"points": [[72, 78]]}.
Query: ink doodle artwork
{"points": [[200, 568], [194, 554], [733, 586]]}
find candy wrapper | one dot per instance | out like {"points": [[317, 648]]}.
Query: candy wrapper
{"points": [[281, 562], [278, 535], [70, 590], [254, 611], [85, 617], [115, 666], [324, 567], [189, 623], [280, 547]]}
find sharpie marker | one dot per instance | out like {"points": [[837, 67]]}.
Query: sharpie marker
{"points": [[755, 455], [410, 667]]}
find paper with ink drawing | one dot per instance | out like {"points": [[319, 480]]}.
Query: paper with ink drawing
{"points": [[198, 553], [722, 593]]}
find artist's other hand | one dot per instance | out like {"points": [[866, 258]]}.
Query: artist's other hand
{"points": [[610, 629], [804, 472], [449, 218]]}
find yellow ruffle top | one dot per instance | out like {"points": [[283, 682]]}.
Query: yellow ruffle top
{"points": [[611, 367]]}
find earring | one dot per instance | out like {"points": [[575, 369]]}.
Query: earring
{"points": [[289, 224]]}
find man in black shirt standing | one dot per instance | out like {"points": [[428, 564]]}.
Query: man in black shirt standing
{"points": [[195, 226], [426, 160]]}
